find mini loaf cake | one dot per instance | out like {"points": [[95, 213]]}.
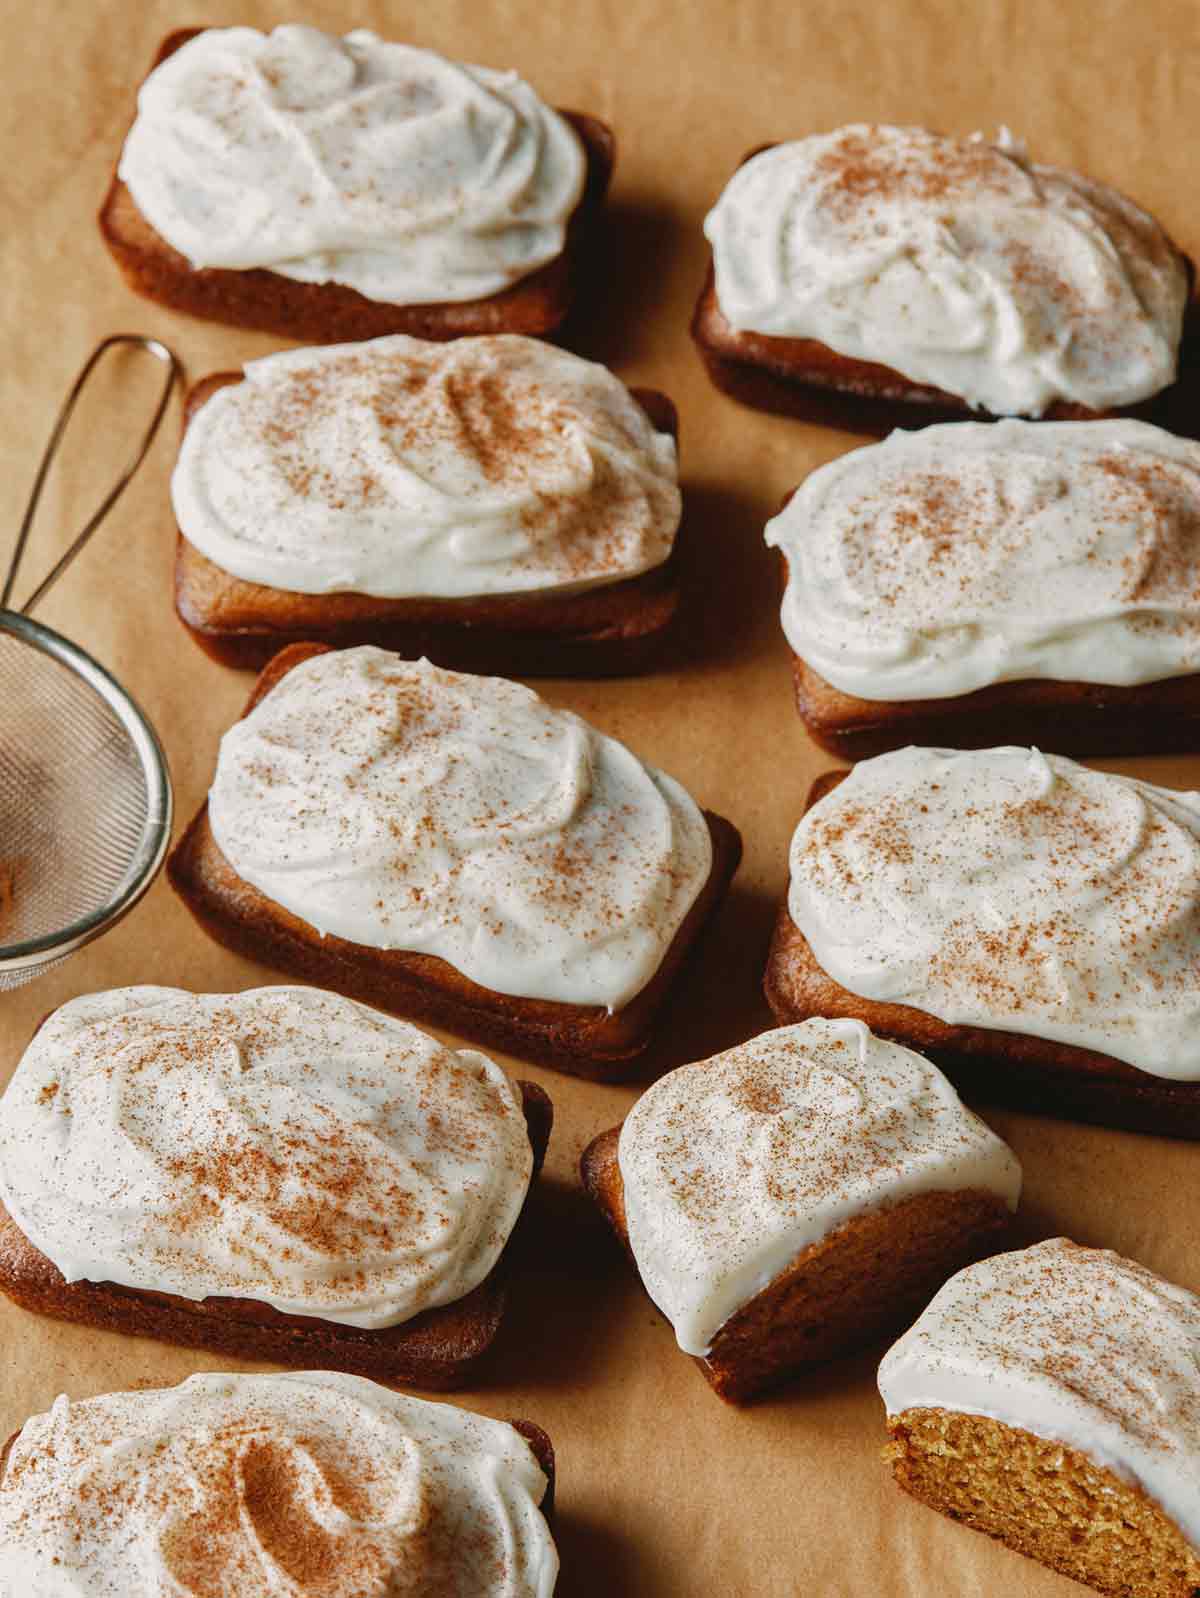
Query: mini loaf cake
{"points": [[281, 1174], [313, 1484], [1051, 1398], [977, 582], [931, 275], [328, 188], [1033, 925], [798, 1196], [453, 849], [493, 503]]}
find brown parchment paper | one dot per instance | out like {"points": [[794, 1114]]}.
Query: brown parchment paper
{"points": [[662, 1489]]}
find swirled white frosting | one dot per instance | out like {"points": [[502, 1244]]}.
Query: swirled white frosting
{"points": [[397, 467], [1007, 888], [406, 807], [940, 561], [1076, 1345], [955, 262], [388, 169], [311, 1484], [283, 1144], [733, 1166]]}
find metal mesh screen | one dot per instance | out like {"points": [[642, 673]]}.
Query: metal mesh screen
{"points": [[73, 801]]}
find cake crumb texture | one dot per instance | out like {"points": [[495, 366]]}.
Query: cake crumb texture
{"points": [[1042, 1499]]}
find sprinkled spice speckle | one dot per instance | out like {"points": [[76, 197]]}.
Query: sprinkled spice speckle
{"points": [[1006, 888], [732, 1166], [318, 1156], [315, 1484], [402, 806], [943, 561]]}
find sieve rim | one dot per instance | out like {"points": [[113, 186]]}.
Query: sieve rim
{"points": [[160, 806]]}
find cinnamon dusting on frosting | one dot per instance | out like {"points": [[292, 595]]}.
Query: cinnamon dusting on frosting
{"points": [[997, 553], [402, 806], [315, 1485], [404, 468], [863, 166], [319, 1156], [731, 1167], [1015, 890]]}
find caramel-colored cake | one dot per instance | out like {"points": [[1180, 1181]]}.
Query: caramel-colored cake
{"points": [[1000, 970], [249, 1240], [331, 312], [839, 1168], [597, 1039], [1072, 718], [614, 628], [1051, 1399], [829, 296]]}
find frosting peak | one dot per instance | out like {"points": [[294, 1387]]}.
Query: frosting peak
{"points": [[956, 262], [400, 468], [1010, 889], [318, 1156], [304, 1485], [405, 807], [385, 168], [941, 561], [733, 1166]]}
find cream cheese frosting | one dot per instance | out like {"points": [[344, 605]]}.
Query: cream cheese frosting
{"points": [[388, 169], [406, 807], [958, 263], [1011, 889], [1076, 1345], [284, 1144], [397, 467], [733, 1166], [311, 1484], [941, 561]]}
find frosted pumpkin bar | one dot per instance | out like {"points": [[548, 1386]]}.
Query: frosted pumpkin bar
{"points": [[493, 503], [279, 1174], [797, 1196], [1031, 924], [314, 1484], [1051, 1398], [326, 188], [896, 275], [973, 583], [453, 849]]}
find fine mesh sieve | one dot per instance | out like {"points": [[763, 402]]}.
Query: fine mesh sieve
{"points": [[85, 799]]}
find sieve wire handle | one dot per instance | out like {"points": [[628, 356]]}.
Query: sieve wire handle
{"points": [[174, 371]]}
